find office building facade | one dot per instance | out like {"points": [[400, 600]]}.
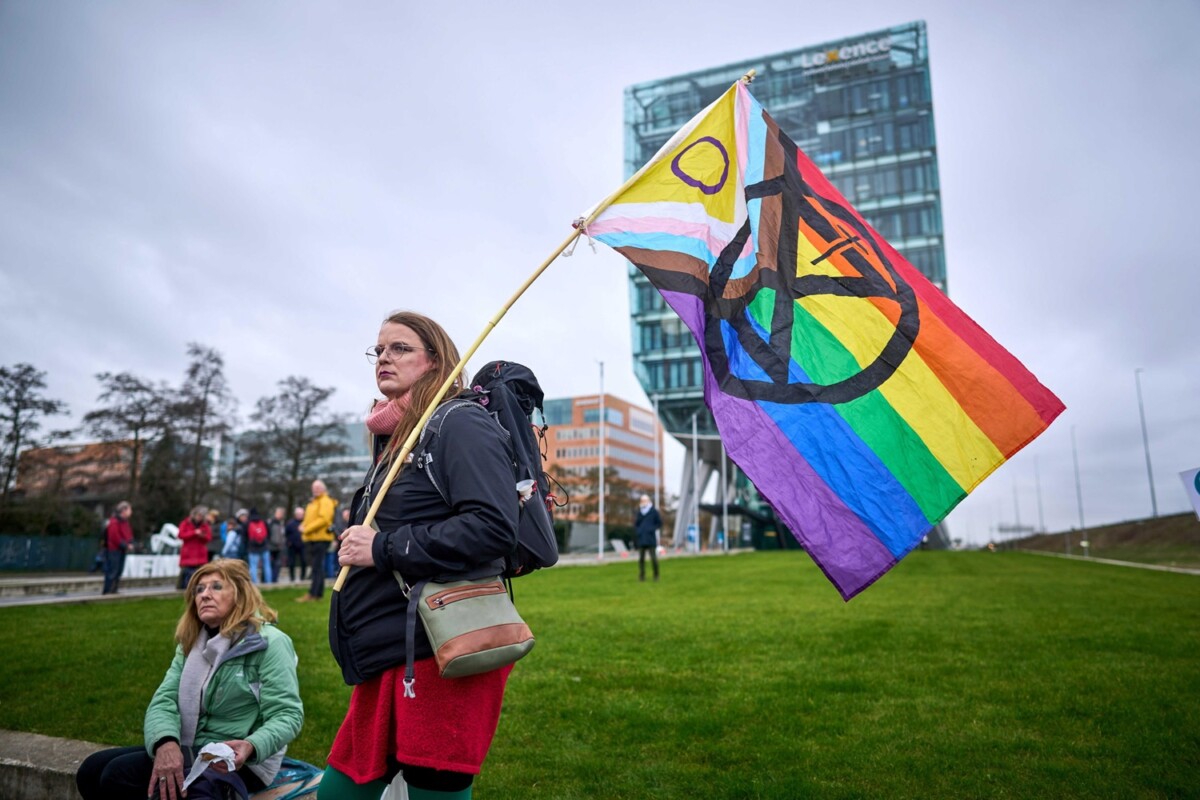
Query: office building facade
{"points": [[632, 443], [861, 109]]}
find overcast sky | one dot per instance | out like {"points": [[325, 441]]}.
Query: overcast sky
{"points": [[272, 178]]}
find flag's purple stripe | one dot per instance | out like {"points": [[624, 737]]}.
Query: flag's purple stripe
{"points": [[853, 471], [841, 544]]}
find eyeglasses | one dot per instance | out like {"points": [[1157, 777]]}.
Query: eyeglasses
{"points": [[215, 586], [396, 350]]}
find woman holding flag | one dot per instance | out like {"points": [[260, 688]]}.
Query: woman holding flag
{"points": [[431, 731]]}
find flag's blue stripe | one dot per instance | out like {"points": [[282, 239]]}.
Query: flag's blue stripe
{"points": [[756, 130], [838, 455]]}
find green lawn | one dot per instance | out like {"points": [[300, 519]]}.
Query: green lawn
{"points": [[959, 675]]}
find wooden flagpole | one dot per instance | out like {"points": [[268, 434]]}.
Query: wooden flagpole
{"points": [[580, 229]]}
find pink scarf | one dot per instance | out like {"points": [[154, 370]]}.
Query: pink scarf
{"points": [[386, 415]]}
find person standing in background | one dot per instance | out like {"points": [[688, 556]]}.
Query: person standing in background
{"points": [[217, 539], [258, 537], [118, 539], [317, 530], [276, 542], [340, 524], [647, 524], [235, 533], [195, 535], [295, 544]]}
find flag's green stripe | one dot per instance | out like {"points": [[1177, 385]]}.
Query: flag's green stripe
{"points": [[825, 360]]}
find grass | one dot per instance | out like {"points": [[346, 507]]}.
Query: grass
{"points": [[959, 675]]}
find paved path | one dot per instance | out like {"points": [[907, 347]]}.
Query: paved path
{"points": [[28, 590], [1114, 562], [77, 588]]}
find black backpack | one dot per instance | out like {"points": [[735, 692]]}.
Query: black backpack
{"points": [[509, 393]]}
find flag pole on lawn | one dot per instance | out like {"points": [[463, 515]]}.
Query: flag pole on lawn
{"points": [[580, 226]]}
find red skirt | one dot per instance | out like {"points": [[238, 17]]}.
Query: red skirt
{"points": [[449, 725]]}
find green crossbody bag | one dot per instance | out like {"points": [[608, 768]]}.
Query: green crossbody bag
{"points": [[472, 625]]}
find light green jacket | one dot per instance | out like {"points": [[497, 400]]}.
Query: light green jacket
{"points": [[253, 695]]}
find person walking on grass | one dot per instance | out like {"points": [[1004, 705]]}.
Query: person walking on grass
{"points": [[647, 524], [317, 532]]}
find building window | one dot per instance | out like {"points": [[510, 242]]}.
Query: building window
{"points": [[613, 416], [909, 91], [914, 135], [873, 140], [646, 298], [919, 178]]}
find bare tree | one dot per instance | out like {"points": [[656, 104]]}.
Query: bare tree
{"points": [[295, 435], [22, 406], [620, 494], [205, 409], [136, 411]]}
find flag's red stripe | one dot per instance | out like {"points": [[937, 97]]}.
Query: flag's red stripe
{"points": [[1003, 398]]}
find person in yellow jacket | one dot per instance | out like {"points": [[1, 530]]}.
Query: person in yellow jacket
{"points": [[317, 532]]}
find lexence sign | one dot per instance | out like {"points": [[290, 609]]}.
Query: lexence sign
{"points": [[867, 50]]}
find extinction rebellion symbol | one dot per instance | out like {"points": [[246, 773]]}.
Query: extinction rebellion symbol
{"points": [[801, 212]]}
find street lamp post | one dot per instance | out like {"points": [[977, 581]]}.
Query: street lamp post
{"points": [[1037, 479], [1145, 441], [724, 503], [696, 478], [600, 553], [1078, 492], [233, 478], [657, 456]]}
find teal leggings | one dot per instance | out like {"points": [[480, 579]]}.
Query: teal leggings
{"points": [[338, 786]]}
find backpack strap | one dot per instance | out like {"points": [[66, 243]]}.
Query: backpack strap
{"points": [[423, 452]]}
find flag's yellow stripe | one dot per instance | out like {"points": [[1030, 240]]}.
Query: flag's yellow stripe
{"points": [[914, 391]]}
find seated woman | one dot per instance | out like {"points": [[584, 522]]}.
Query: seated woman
{"points": [[233, 680]]}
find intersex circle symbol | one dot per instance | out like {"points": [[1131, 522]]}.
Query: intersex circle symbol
{"points": [[696, 182]]}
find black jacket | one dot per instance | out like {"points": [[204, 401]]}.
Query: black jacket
{"points": [[646, 525], [421, 536]]}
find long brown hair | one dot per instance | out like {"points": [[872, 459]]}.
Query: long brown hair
{"points": [[249, 609], [445, 358]]}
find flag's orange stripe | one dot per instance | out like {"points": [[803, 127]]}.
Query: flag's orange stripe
{"points": [[986, 394], [1005, 376]]}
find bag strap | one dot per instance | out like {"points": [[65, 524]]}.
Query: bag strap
{"points": [[413, 594]]}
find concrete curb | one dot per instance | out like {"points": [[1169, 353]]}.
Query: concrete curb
{"points": [[36, 767]]}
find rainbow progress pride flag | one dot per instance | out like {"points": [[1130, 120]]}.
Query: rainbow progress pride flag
{"points": [[861, 402]]}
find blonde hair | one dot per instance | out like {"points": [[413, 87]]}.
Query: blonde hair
{"points": [[445, 357], [249, 609]]}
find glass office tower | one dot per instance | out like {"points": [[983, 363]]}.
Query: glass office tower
{"points": [[860, 108]]}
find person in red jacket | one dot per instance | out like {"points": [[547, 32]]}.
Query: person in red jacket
{"points": [[118, 538], [195, 534]]}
